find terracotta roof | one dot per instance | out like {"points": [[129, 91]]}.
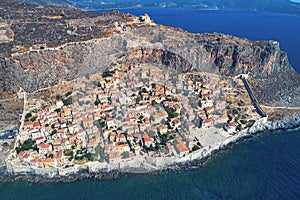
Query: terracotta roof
{"points": [[39, 138], [121, 136], [58, 154], [44, 146], [206, 121], [28, 123], [23, 154], [231, 125], [181, 147], [48, 160], [36, 124], [147, 140], [114, 155], [35, 160]]}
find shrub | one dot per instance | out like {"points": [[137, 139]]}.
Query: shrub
{"points": [[174, 114], [125, 154], [28, 115], [244, 121], [195, 148], [28, 144]]}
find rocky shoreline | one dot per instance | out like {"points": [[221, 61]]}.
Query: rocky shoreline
{"points": [[194, 161]]}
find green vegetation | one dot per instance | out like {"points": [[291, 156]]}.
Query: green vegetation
{"points": [[108, 73], [165, 138], [97, 123], [236, 120], [197, 122], [125, 154], [68, 152], [68, 101], [68, 94], [219, 125], [53, 126], [243, 121], [28, 115], [235, 112], [33, 118], [250, 123], [173, 114], [28, 144], [195, 148], [59, 97], [53, 132], [97, 102], [91, 157], [239, 127], [81, 103], [82, 156]]}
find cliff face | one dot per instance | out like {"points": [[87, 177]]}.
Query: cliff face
{"points": [[128, 39]]}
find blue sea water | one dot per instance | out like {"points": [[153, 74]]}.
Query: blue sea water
{"points": [[284, 28], [264, 167]]}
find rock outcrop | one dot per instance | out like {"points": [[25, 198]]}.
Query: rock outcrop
{"points": [[89, 43]]}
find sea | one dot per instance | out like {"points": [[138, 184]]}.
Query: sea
{"points": [[266, 166]]}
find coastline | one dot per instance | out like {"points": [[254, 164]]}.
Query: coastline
{"points": [[148, 165]]}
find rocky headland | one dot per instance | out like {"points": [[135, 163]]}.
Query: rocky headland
{"points": [[42, 46]]}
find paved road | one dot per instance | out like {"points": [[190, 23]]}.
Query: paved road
{"points": [[253, 99]]}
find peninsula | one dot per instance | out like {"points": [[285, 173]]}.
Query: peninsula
{"points": [[89, 94]]}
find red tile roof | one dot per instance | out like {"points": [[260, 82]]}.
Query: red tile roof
{"points": [[44, 146], [36, 124], [181, 147]]}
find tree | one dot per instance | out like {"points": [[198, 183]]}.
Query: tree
{"points": [[97, 102], [151, 148], [195, 148], [68, 93], [81, 103], [59, 97], [33, 118], [28, 144], [53, 126], [28, 115], [244, 121], [174, 114], [68, 101], [53, 132], [125, 154]]}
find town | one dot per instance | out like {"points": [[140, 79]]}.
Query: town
{"points": [[130, 111]]}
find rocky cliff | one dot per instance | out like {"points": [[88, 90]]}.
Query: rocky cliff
{"points": [[63, 43]]}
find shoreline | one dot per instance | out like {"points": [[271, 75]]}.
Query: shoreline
{"points": [[152, 165]]}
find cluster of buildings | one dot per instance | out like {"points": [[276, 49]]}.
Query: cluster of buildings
{"points": [[126, 112]]}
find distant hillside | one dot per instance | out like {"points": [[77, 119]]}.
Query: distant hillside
{"points": [[282, 6]]}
